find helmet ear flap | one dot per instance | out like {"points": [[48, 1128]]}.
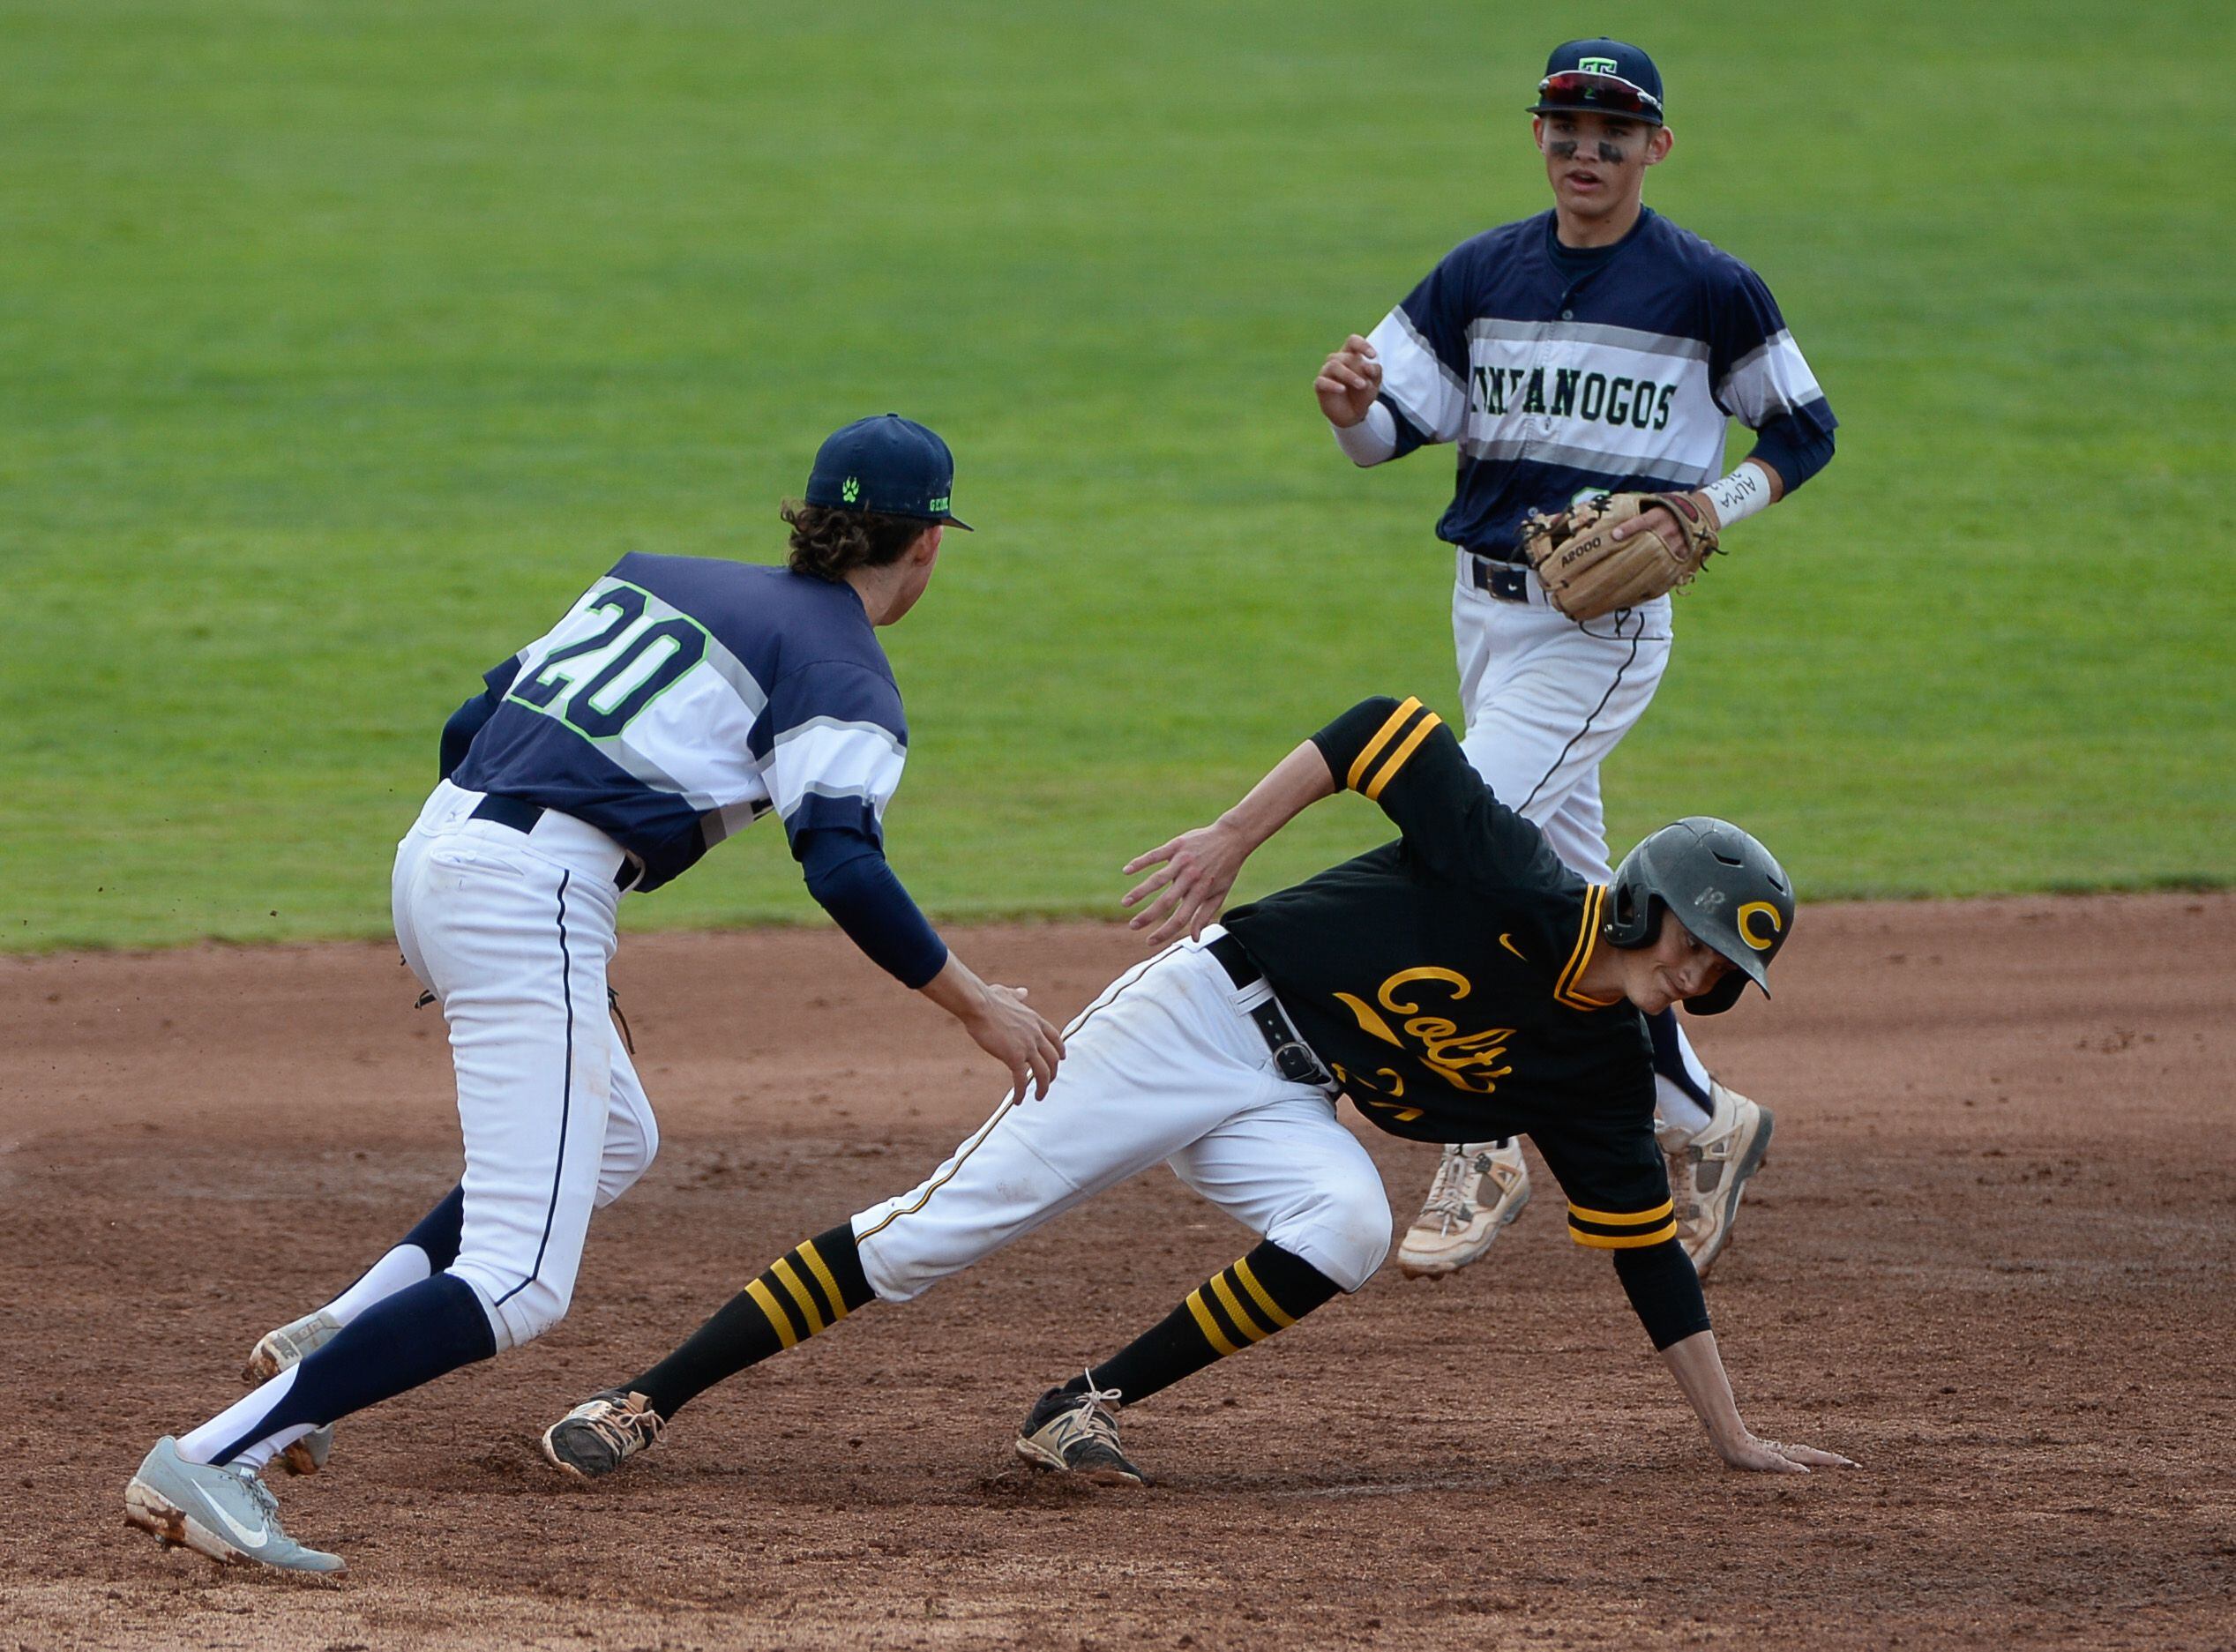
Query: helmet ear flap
{"points": [[1632, 913]]}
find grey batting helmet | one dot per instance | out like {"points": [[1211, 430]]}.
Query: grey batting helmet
{"points": [[1723, 885]]}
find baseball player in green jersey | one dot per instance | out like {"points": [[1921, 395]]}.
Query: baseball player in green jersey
{"points": [[1459, 982]]}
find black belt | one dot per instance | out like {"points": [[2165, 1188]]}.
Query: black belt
{"points": [[1293, 1057], [1509, 581], [521, 816]]}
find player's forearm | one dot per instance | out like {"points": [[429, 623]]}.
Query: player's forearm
{"points": [[850, 878], [1792, 448], [958, 990], [1289, 788], [1755, 486], [1699, 1371], [1371, 440]]}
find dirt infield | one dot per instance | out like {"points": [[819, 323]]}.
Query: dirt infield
{"points": [[1991, 1258]]}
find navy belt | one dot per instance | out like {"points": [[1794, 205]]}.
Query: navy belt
{"points": [[1509, 581], [1293, 1057], [521, 816]]}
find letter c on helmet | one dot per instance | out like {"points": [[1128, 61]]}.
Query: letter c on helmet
{"points": [[1746, 918]]}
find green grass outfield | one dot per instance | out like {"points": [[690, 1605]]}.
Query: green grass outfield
{"points": [[342, 343]]}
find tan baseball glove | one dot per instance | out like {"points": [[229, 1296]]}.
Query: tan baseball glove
{"points": [[1587, 571]]}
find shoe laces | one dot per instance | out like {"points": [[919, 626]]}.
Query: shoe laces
{"points": [[1448, 1198], [1094, 1415], [625, 1429], [260, 1494]]}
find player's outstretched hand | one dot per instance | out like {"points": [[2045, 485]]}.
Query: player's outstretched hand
{"points": [[1019, 1036], [1348, 382], [1194, 873], [1768, 1456]]}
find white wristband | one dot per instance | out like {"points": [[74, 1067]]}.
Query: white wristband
{"points": [[1740, 495], [1371, 440]]}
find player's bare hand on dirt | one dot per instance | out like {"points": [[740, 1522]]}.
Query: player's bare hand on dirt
{"points": [[1348, 382], [1194, 873], [1019, 1036], [1769, 1456]]}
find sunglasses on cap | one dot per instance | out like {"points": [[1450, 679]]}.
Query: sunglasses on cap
{"points": [[1604, 94]]}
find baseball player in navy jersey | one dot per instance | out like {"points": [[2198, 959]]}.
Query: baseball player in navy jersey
{"points": [[1594, 348], [1458, 982], [677, 701]]}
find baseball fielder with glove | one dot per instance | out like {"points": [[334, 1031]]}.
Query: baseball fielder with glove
{"points": [[1585, 361], [677, 701], [1457, 983]]}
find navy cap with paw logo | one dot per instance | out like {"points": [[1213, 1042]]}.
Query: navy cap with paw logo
{"points": [[887, 465]]}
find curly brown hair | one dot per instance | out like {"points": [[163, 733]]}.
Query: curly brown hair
{"points": [[828, 543]]}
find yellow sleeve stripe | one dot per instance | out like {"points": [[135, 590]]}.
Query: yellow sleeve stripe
{"points": [[779, 1320], [1625, 1219], [1398, 759], [1209, 1326], [1382, 737], [807, 1253], [1243, 1322], [1587, 937], [797, 1287], [1259, 1295], [1628, 1242]]}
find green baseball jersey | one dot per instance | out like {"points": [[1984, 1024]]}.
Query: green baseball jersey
{"points": [[1438, 977]]}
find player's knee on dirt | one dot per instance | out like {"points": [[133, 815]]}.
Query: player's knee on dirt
{"points": [[1342, 1228]]}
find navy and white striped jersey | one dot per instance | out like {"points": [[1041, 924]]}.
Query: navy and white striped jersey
{"points": [[1615, 373], [680, 699]]}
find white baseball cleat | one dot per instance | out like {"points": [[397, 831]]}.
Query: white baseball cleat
{"points": [[1479, 1188], [1707, 1172], [281, 1351], [227, 1514]]}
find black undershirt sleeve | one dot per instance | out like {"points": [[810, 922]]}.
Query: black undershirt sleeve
{"points": [[1664, 1291]]}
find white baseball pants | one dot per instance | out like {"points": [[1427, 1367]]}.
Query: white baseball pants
{"points": [[512, 932], [1167, 1067], [1545, 701]]}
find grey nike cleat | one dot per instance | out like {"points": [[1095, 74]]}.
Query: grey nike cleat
{"points": [[280, 1350], [1072, 1430], [228, 1514], [601, 1433]]}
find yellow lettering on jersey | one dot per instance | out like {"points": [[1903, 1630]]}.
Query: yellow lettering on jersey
{"points": [[1465, 1060], [1382, 1081], [1427, 972], [1372, 1025]]}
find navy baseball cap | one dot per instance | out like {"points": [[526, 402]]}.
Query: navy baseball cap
{"points": [[1602, 76], [890, 466]]}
